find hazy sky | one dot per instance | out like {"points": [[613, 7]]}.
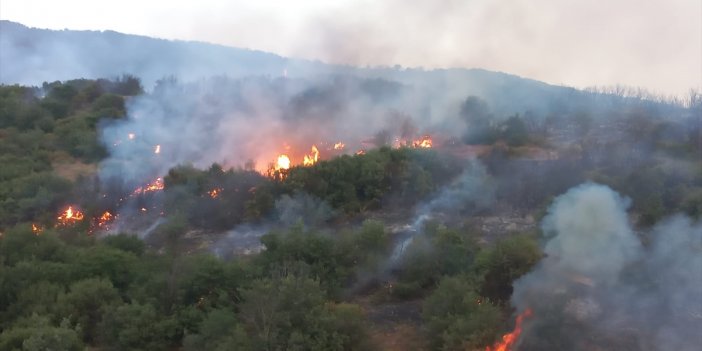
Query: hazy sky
{"points": [[655, 44]]}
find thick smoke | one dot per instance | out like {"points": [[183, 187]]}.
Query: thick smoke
{"points": [[599, 287], [249, 122]]}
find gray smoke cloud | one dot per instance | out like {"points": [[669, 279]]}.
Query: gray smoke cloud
{"points": [[250, 121], [600, 287]]}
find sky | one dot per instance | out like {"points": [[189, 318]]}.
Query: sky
{"points": [[653, 44]]}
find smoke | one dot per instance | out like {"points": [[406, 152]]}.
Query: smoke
{"points": [[469, 193], [236, 122], [245, 239], [301, 207], [599, 287]]}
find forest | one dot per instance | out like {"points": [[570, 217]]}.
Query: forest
{"points": [[391, 246]]}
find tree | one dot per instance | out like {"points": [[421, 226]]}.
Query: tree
{"points": [[499, 266], [219, 331], [126, 243], [86, 302], [479, 127], [134, 327], [289, 313], [36, 333], [117, 266], [515, 131], [457, 318]]}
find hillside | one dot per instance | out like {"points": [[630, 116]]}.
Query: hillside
{"points": [[335, 208], [31, 56]]}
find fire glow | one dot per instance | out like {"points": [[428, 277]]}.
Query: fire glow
{"points": [[339, 146], [157, 149], [156, 185], [105, 219], [70, 216], [282, 163], [425, 142], [509, 340], [312, 158], [36, 229], [214, 193]]}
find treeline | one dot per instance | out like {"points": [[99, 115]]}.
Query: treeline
{"points": [[64, 290], [348, 185]]}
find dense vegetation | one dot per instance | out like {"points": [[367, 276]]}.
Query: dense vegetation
{"points": [[67, 289], [45, 141]]}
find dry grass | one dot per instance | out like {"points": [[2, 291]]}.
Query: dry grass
{"points": [[68, 167]]}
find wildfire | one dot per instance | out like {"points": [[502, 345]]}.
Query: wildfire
{"points": [[156, 185], [510, 339], [214, 193], [283, 162], [131, 136], [105, 219], [361, 152], [311, 158], [157, 149], [37, 229], [424, 142], [70, 216], [339, 146]]}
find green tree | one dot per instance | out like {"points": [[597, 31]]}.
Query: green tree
{"points": [[515, 131], [499, 266], [36, 333], [86, 303], [134, 327], [289, 313], [457, 318], [219, 331]]}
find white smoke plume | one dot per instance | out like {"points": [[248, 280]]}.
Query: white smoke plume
{"points": [[469, 192], [601, 286]]}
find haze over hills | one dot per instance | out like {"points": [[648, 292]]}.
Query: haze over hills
{"points": [[172, 195], [31, 56]]}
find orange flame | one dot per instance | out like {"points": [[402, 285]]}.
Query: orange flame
{"points": [[106, 218], [70, 216], [424, 142], [361, 152], [214, 193], [339, 146], [510, 339], [37, 229], [157, 149], [283, 162], [156, 185], [311, 158]]}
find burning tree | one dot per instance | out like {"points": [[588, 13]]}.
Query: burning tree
{"points": [[70, 216]]}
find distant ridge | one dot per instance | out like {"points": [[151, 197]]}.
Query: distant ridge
{"points": [[31, 56]]}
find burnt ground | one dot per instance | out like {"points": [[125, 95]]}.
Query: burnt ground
{"points": [[394, 325]]}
